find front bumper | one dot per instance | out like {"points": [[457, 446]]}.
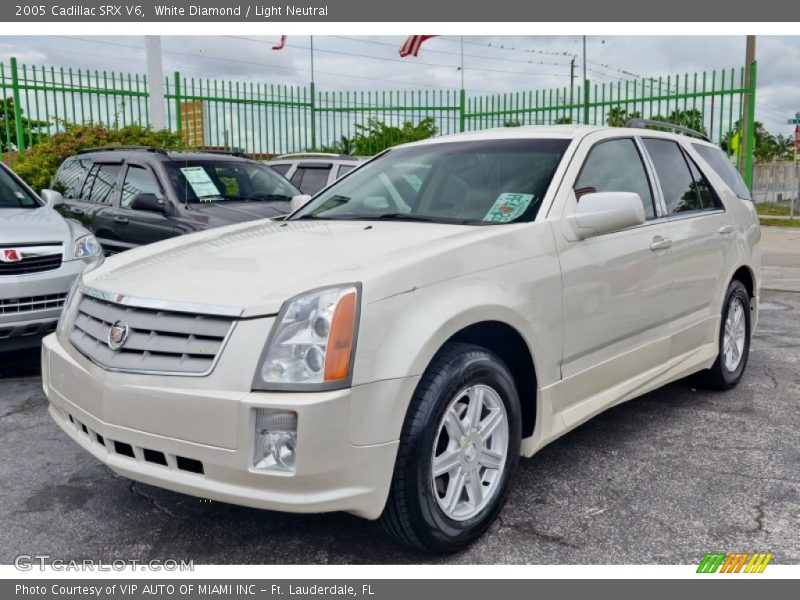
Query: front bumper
{"points": [[97, 409], [20, 330]]}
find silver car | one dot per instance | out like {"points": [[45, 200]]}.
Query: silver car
{"points": [[311, 172], [41, 254]]}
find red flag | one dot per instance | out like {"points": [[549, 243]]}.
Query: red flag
{"points": [[412, 45], [280, 45], [797, 137]]}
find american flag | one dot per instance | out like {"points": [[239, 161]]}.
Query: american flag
{"points": [[412, 45], [279, 45]]}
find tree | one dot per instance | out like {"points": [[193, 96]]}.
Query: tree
{"points": [[618, 116], [31, 128], [692, 118], [767, 147], [344, 145], [38, 164], [376, 135]]}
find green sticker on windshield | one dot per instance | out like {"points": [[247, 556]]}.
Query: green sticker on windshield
{"points": [[508, 207]]}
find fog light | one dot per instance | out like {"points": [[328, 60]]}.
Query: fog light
{"points": [[276, 439]]}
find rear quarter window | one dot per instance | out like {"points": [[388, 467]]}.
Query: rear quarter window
{"points": [[70, 176], [723, 167]]}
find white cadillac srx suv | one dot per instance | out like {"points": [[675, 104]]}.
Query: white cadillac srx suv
{"points": [[396, 344]]}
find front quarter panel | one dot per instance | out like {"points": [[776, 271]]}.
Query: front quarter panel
{"points": [[400, 335]]}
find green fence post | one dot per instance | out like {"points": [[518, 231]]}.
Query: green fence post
{"points": [[178, 116], [462, 110], [751, 134], [313, 117], [17, 108], [585, 101]]}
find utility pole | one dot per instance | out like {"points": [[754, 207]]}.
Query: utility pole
{"points": [[571, 86], [461, 40], [155, 76], [750, 57], [585, 87], [572, 73]]}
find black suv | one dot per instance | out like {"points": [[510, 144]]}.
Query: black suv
{"points": [[129, 196]]}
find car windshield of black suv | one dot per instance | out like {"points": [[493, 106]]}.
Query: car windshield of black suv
{"points": [[199, 181], [482, 182], [13, 195]]}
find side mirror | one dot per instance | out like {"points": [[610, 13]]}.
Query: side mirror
{"points": [[299, 202], [149, 203], [606, 212], [52, 198]]}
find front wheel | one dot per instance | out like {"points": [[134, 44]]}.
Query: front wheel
{"points": [[459, 446], [734, 341]]}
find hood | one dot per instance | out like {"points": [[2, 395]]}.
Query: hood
{"points": [[219, 214], [33, 225], [257, 266]]}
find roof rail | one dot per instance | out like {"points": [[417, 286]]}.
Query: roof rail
{"points": [[311, 155], [645, 123], [236, 153], [121, 148]]}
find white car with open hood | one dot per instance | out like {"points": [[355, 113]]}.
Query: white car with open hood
{"points": [[393, 347]]}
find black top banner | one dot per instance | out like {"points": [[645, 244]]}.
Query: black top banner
{"points": [[397, 11]]}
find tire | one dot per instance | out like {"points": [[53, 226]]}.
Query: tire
{"points": [[422, 513], [723, 374]]}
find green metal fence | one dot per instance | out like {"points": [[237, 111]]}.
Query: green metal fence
{"points": [[266, 119]]}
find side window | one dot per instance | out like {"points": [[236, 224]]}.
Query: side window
{"points": [[139, 180], [724, 168], [101, 183], [344, 170], [87, 183], [616, 166], [708, 197], [682, 192], [282, 169], [70, 176], [310, 180]]}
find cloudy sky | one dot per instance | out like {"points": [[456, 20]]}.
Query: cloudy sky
{"points": [[491, 63]]}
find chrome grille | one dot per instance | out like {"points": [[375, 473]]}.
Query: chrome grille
{"points": [[159, 341], [29, 303]]}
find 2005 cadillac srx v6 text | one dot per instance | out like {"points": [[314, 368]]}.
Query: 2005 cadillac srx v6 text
{"points": [[396, 344]]}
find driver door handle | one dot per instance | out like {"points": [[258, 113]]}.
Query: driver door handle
{"points": [[725, 229], [122, 220], [660, 243], [76, 211]]}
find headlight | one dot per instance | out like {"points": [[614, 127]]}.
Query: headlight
{"points": [[87, 248], [312, 341]]}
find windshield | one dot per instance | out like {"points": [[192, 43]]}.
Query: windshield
{"points": [[482, 182], [197, 181], [13, 195]]}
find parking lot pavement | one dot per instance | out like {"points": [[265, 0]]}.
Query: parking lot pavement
{"points": [[661, 479], [780, 247]]}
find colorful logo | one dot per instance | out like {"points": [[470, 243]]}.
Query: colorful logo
{"points": [[737, 562], [11, 255]]}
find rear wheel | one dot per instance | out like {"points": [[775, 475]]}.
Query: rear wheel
{"points": [[459, 447], [734, 341]]}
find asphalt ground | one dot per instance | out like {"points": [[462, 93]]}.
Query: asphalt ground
{"points": [[662, 479]]}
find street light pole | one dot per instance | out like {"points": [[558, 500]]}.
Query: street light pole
{"points": [[155, 75]]}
